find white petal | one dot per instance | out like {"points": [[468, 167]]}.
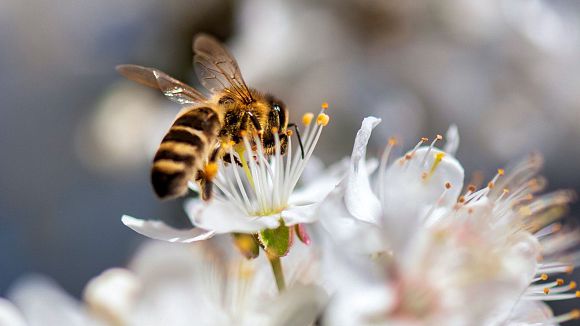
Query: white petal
{"points": [[225, 218], [10, 315], [409, 197], [353, 234], [300, 214], [42, 302], [321, 185], [364, 305], [530, 313], [112, 294], [451, 140], [297, 306], [160, 231], [359, 197]]}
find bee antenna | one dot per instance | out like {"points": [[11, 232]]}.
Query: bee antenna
{"points": [[293, 125]]}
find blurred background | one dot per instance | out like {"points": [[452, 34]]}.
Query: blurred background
{"points": [[77, 139]]}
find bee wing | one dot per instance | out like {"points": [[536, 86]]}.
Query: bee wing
{"points": [[217, 69], [172, 88]]}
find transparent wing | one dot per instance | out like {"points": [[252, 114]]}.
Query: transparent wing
{"points": [[154, 78], [217, 69]]}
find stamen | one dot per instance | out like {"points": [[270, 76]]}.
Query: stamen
{"points": [[552, 297], [438, 137], [383, 166], [503, 193], [543, 277], [307, 118], [572, 315], [269, 179], [447, 186], [322, 119], [409, 156], [556, 268]]}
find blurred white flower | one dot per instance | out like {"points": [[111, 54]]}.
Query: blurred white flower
{"points": [[38, 301], [172, 285], [257, 196], [436, 249], [185, 285]]}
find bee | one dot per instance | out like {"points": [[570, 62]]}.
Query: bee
{"points": [[204, 129]]}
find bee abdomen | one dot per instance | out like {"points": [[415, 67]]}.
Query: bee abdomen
{"points": [[182, 151]]}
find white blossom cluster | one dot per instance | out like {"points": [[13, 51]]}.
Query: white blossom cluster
{"points": [[388, 241]]}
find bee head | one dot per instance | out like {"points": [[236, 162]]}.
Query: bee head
{"points": [[278, 113]]}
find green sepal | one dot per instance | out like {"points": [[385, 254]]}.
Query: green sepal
{"points": [[277, 242], [247, 244]]}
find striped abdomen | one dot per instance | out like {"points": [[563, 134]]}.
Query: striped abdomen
{"points": [[183, 151]]}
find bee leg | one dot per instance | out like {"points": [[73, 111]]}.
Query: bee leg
{"points": [[205, 185], [205, 177], [293, 125], [228, 158]]}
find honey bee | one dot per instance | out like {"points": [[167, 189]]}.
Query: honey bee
{"points": [[202, 131]]}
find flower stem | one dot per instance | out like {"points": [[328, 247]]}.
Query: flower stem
{"points": [[276, 264]]}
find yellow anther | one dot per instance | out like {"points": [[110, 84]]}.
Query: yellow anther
{"points": [[560, 282], [506, 190], [569, 269], [226, 146], [424, 139], [546, 291], [322, 119], [408, 156], [544, 277], [289, 133], [490, 185], [243, 133], [324, 105], [500, 171], [447, 185], [307, 118], [577, 294], [439, 137], [274, 130], [471, 188], [572, 285], [210, 170], [575, 314], [392, 141], [461, 199]]}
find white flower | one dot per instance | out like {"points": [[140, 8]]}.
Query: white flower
{"points": [[173, 285], [259, 195], [442, 257], [38, 301], [196, 285]]}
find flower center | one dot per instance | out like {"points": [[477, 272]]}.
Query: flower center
{"points": [[264, 179]]}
